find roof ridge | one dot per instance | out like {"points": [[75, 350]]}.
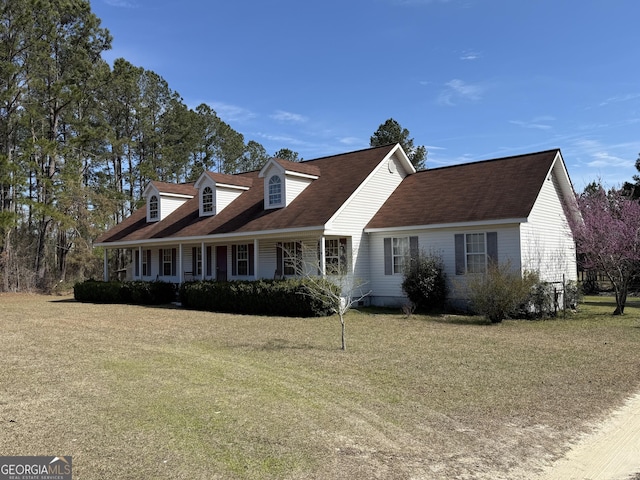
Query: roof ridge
{"points": [[487, 160]]}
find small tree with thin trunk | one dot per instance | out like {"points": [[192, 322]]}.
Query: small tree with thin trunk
{"points": [[338, 285], [607, 235]]}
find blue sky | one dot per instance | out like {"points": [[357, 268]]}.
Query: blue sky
{"points": [[470, 79]]}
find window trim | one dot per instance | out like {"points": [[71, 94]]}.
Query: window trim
{"points": [[462, 253], [208, 205], [389, 256], [154, 208], [335, 253], [275, 198]]}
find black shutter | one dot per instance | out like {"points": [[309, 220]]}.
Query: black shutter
{"points": [[209, 261], [413, 247], [173, 262], [460, 263], [492, 248], [279, 266], [194, 260], [234, 260], [251, 265], [388, 260], [160, 264], [137, 261], [148, 272]]}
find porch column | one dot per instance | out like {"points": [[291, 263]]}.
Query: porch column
{"points": [[140, 262], [105, 265], [180, 273], [256, 265], [203, 261], [322, 259]]}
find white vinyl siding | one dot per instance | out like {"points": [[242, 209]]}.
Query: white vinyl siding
{"points": [[387, 289], [361, 207], [168, 205], [547, 245], [294, 187]]}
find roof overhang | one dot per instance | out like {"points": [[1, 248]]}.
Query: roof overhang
{"points": [[458, 225]]}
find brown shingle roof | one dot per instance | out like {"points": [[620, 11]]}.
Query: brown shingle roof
{"points": [[299, 167], [175, 188], [341, 176], [238, 180], [498, 189]]}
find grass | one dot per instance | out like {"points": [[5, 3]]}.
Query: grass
{"points": [[133, 392]]}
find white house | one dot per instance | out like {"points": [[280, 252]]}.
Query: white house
{"points": [[362, 212]]}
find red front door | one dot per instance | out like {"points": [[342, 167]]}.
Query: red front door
{"points": [[221, 263]]}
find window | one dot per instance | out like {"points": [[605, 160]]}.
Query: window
{"points": [[397, 252], [335, 256], [146, 263], [167, 262], [474, 251], [153, 207], [291, 258], [400, 253], [207, 200], [242, 260], [196, 261], [275, 190]]}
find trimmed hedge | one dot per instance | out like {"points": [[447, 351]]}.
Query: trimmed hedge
{"points": [[285, 298], [136, 292]]}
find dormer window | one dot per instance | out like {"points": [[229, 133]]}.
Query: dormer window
{"points": [[153, 208], [207, 200], [275, 190]]}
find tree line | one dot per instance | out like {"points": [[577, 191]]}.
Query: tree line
{"points": [[79, 140]]}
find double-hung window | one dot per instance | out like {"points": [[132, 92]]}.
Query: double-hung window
{"points": [[167, 262], [475, 251], [291, 258], [242, 260], [398, 251], [335, 256], [146, 263]]}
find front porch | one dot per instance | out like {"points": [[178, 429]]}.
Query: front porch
{"points": [[234, 260]]}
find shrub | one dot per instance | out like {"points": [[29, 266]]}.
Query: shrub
{"points": [[137, 292], [97, 292], [424, 281], [289, 298], [500, 291], [572, 295]]}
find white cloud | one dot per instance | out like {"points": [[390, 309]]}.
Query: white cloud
{"points": [[619, 99], [458, 90], [232, 113], [283, 116], [469, 55], [599, 155], [538, 123]]}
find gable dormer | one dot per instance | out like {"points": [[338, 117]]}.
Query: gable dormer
{"points": [[164, 198], [285, 180], [217, 190]]}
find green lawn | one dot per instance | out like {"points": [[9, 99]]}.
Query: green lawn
{"points": [[133, 392]]}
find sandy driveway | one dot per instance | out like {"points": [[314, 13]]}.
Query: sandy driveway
{"points": [[611, 452]]}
